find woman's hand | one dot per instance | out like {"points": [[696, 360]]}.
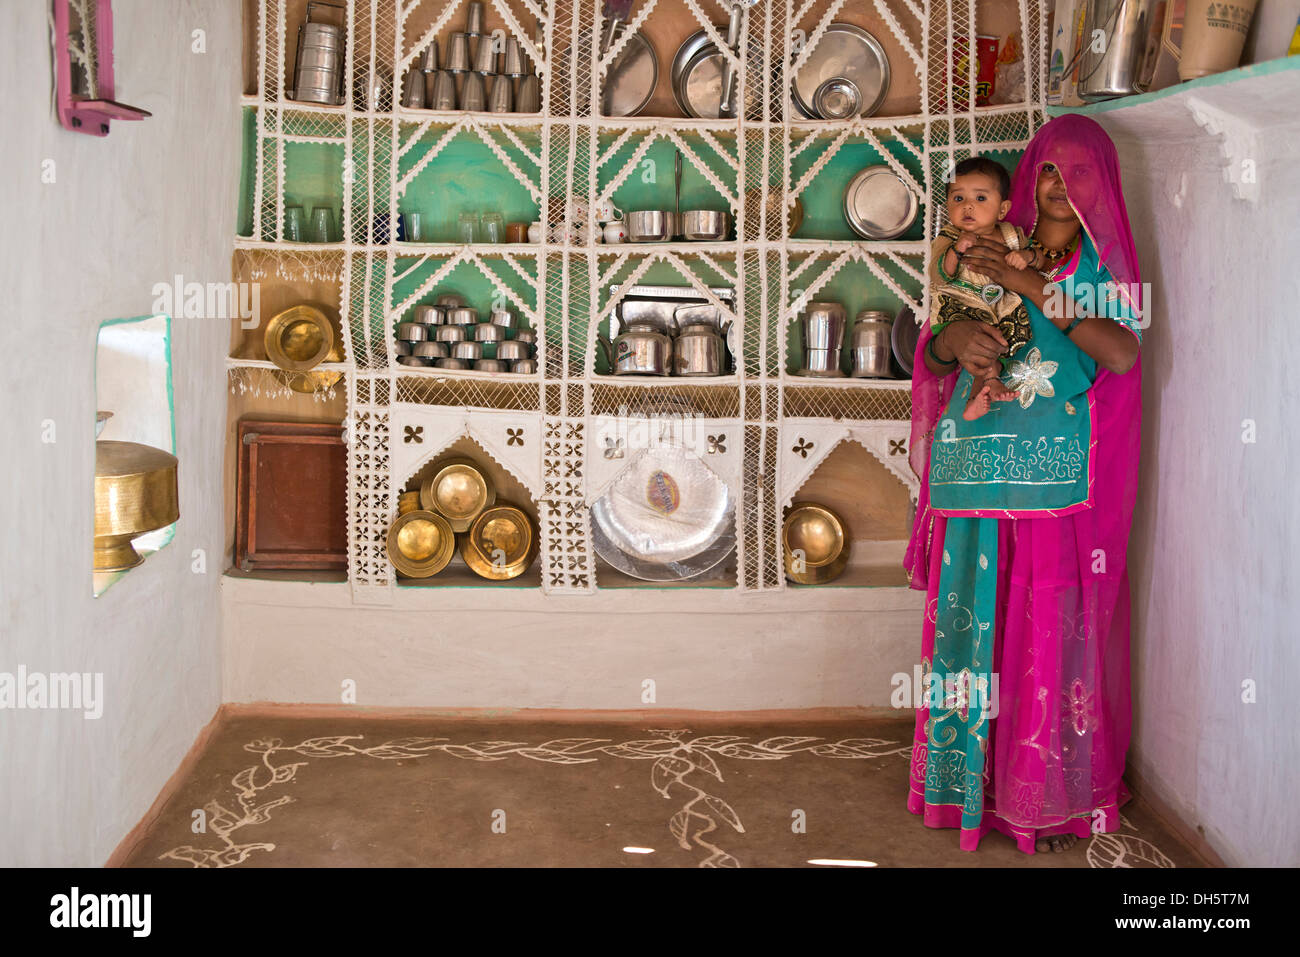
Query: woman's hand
{"points": [[989, 256], [975, 345]]}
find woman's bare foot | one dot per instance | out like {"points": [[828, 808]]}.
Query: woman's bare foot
{"points": [[1055, 843], [983, 396]]}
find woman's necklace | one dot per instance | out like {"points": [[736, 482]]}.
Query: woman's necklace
{"points": [[1054, 257]]}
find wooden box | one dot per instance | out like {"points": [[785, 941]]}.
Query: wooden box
{"points": [[291, 499]]}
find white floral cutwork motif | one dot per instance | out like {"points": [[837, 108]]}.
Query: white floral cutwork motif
{"points": [[1032, 377]]}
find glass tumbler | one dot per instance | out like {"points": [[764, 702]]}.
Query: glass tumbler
{"points": [[293, 223], [493, 228], [467, 227], [413, 227], [322, 224]]}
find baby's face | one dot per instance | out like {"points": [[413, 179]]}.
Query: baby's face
{"points": [[974, 202]]}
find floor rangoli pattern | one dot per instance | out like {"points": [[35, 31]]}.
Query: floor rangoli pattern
{"points": [[674, 757], [687, 768]]}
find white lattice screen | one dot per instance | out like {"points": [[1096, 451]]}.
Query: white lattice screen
{"points": [[567, 150]]}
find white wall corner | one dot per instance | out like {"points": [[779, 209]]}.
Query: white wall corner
{"points": [[1237, 146]]}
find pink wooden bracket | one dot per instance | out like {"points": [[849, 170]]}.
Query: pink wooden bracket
{"points": [[85, 114]]}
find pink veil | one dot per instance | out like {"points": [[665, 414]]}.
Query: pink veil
{"points": [[1062, 623]]}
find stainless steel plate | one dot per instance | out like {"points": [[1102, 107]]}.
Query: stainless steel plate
{"points": [[699, 88], [878, 205], [666, 507], [630, 82], [697, 43], [848, 51]]}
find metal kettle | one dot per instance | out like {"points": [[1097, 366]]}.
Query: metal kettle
{"points": [[641, 349], [871, 344]]}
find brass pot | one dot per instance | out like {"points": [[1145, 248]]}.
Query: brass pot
{"points": [[135, 492], [500, 545], [420, 543], [458, 491], [820, 536]]}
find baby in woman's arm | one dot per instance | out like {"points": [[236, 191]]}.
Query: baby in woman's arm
{"points": [[977, 204]]}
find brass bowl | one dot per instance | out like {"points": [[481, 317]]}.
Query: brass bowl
{"points": [[408, 502], [458, 491], [820, 534], [500, 545], [420, 543], [135, 492], [299, 338]]}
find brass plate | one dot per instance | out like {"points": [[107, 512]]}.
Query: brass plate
{"points": [[299, 339], [458, 491], [420, 544], [502, 528], [820, 534]]}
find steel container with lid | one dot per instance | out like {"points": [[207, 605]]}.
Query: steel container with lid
{"points": [[871, 344], [318, 76]]}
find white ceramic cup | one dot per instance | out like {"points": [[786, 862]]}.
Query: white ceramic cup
{"points": [[607, 212], [615, 232], [535, 232], [577, 209]]}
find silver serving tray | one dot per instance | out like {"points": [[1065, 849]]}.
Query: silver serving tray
{"points": [[666, 508], [658, 304], [848, 51], [685, 570]]}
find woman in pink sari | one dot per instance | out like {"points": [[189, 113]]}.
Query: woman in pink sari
{"points": [[1022, 525]]}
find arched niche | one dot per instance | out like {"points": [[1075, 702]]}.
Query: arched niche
{"points": [[875, 506], [509, 488]]}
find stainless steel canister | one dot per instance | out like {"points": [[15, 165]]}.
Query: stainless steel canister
{"points": [[1126, 26], [872, 344], [318, 77], [823, 326], [823, 336]]}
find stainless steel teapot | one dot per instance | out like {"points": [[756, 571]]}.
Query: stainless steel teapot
{"points": [[641, 349]]}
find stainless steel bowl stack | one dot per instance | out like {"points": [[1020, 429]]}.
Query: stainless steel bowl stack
{"points": [[448, 334]]}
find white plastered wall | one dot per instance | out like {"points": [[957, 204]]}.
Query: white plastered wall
{"points": [[151, 200], [1213, 550]]}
